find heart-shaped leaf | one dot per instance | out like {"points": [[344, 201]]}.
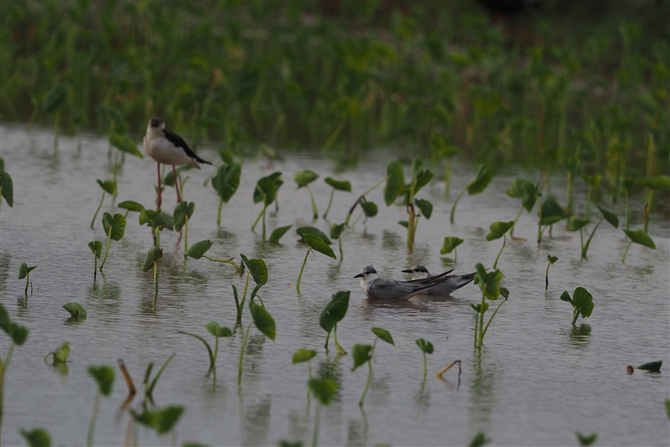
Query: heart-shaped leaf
{"points": [[323, 389], [156, 219], [267, 187], [96, 248], [125, 144], [336, 230], [258, 269], [498, 229], [7, 187], [425, 206], [449, 244], [552, 212], [303, 355], [109, 186], [335, 310], [576, 224], [278, 233], [319, 245], [640, 237], [226, 180], [552, 259], [182, 211], [62, 353], [263, 320], [197, 250], [162, 421], [24, 270], [395, 182], [115, 224], [311, 230], [303, 178], [104, 377], [593, 180], [609, 217], [361, 354], [131, 206], [369, 208], [383, 334], [660, 182], [339, 185], [76, 310], [37, 437], [425, 346], [489, 283], [480, 182], [155, 254], [218, 331]]}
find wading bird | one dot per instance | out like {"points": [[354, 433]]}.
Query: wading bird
{"points": [[380, 288], [168, 148], [450, 283]]}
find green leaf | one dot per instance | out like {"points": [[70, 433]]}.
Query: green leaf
{"points": [[552, 259], [267, 188], [369, 208], [479, 440], [104, 376], [156, 219], [155, 254], [226, 180], [263, 320], [162, 421], [420, 177], [383, 334], [583, 301], [96, 248], [480, 182], [403, 223], [640, 237], [565, 296], [425, 206], [303, 178], [319, 245], [17, 333], [303, 355], [218, 331], [7, 187], [258, 269], [37, 437], [478, 307], [660, 182], [395, 182], [504, 292], [311, 230], [628, 183], [586, 440], [76, 310], [323, 389], [339, 185], [498, 229], [62, 353], [131, 206], [361, 354], [425, 346], [334, 311], [593, 180], [125, 144], [54, 99], [516, 191], [651, 366], [197, 250], [24, 270], [336, 230], [109, 186], [488, 282], [278, 233], [609, 217], [116, 224], [168, 180], [576, 224], [449, 244], [182, 211], [552, 212]]}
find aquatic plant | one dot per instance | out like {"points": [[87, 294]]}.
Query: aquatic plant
{"points": [[225, 182], [575, 224], [303, 179], [550, 213], [182, 214], [332, 314], [76, 311], [475, 186], [162, 421], [658, 183], [489, 284], [257, 270], [427, 348], [639, 237], [37, 437], [199, 249], [369, 208], [582, 303], [363, 354], [96, 249], [108, 187], [593, 182], [586, 440], [450, 243], [60, 355], [266, 192], [336, 185], [115, 228], [277, 233], [52, 103], [305, 355], [264, 323], [528, 192], [551, 259], [18, 334], [335, 233], [496, 231], [439, 149], [323, 390], [24, 272], [104, 378], [479, 440], [6, 185], [154, 255], [157, 220], [217, 331], [315, 243]]}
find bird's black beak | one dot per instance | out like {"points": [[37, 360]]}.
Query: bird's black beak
{"points": [[407, 271], [359, 275]]}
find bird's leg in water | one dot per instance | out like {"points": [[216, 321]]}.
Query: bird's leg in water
{"points": [[160, 198], [176, 183]]}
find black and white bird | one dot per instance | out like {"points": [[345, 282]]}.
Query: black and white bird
{"points": [[446, 287], [380, 288], [168, 148]]}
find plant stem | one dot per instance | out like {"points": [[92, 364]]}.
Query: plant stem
{"points": [[546, 277], [109, 239], [480, 325], [225, 261], [647, 209], [94, 416], [585, 248], [425, 366], [581, 241], [501, 250], [239, 366], [575, 314], [330, 202], [218, 215], [297, 284], [317, 420], [240, 308], [367, 383], [447, 177], [155, 283], [340, 350], [27, 283], [98, 210], [588, 199], [491, 319], [625, 193], [569, 193], [311, 196], [257, 219], [625, 252], [410, 227], [511, 233], [339, 243], [453, 208], [264, 222], [95, 267], [186, 234]]}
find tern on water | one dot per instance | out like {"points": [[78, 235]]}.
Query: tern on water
{"points": [[449, 284], [380, 288]]}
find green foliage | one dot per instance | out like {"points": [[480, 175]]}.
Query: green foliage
{"points": [[498, 230], [6, 184], [369, 208], [450, 243], [660, 182], [267, 188], [257, 268], [318, 244], [61, 354], [76, 310], [593, 180], [383, 334], [109, 186], [125, 144], [263, 320], [488, 282], [323, 390], [334, 311], [163, 421], [582, 303], [218, 331], [552, 259], [425, 346], [96, 248], [104, 377], [395, 182], [479, 440], [16, 332], [304, 178], [131, 206], [303, 355], [339, 185], [480, 182], [24, 270], [641, 238], [115, 226], [552, 212], [302, 231], [425, 207], [336, 230], [585, 440], [576, 224], [361, 355], [54, 99], [197, 250], [156, 219], [184, 210], [37, 437], [226, 180], [154, 255], [611, 218], [278, 233]]}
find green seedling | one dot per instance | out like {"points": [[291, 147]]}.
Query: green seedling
{"points": [[658, 183], [259, 271], [551, 259], [335, 233], [594, 183], [37, 437], [303, 179], [154, 255], [550, 213], [225, 182], [528, 192], [479, 440], [162, 421], [182, 214], [199, 249], [489, 284], [60, 355], [427, 348], [157, 220], [6, 185], [450, 243], [96, 249], [115, 228], [24, 272], [217, 331], [586, 440], [476, 186], [104, 377], [337, 185], [496, 231], [323, 390], [609, 217], [278, 233], [440, 149], [264, 323], [638, 237], [333, 313], [150, 384], [266, 192], [369, 208], [18, 334], [627, 184], [76, 310], [363, 354], [315, 231], [108, 187], [571, 165], [582, 303], [315, 243], [52, 103], [129, 206]]}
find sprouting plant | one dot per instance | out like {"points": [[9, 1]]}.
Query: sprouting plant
{"points": [[575, 224], [259, 271], [479, 440], [489, 284], [60, 355], [154, 255], [303, 179], [278, 233], [594, 183], [450, 243], [571, 164], [427, 348], [6, 185], [551, 260], [369, 208], [115, 228], [264, 323], [217, 331], [266, 192], [162, 421], [24, 272], [627, 184], [104, 377], [52, 103], [18, 334], [639, 237], [225, 182], [335, 232], [339, 185], [157, 220], [363, 354], [528, 192], [496, 231], [586, 440], [149, 384], [582, 303], [660, 182], [476, 186], [199, 249], [37, 437], [129, 206], [315, 243], [108, 187], [76, 311], [440, 149], [182, 214], [333, 313], [96, 249], [323, 390], [550, 213]]}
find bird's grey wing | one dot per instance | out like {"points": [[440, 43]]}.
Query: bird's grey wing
{"points": [[450, 284], [430, 279], [179, 142], [384, 289]]}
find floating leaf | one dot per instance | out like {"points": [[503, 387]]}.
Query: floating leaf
{"points": [[197, 250], [383, 334], [552, 259], [218, 331], [319, 245], [263, 320], [116, 224], [54, 99], [361, 354], [37, 437], [181, 212], [303, 178], [131, 206], [640, 237], [498, 230], [369, 208], [425, 346], [651, 366], [7, 187], [155, 254], [303, 355], [125, 144], [425, 206], [450, 243], [278, 233], [323, 389], [335, 310], [24, 270], [311, 230], [76, 310], [226, 180], [480, 182], [104, 376], [576, 224], [339, 185], [395, 182], [336, 230]]}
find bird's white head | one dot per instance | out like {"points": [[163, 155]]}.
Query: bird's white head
{"points": [[418, 272], [155, 125], [367, 274]]}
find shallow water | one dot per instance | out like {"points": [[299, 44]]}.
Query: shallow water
{"points": [[537, 381]]}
